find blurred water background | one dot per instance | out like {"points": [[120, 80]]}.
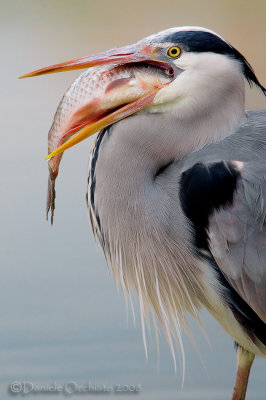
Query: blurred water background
{"points": [[61, 319]]}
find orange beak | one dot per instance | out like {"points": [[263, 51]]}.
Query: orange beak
{"points": [[122, 55], [125, 55]]}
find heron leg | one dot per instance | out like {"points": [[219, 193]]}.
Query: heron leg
{"points": [[244, 363]]}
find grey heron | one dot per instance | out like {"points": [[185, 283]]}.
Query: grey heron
{"points": [[177, 181]]}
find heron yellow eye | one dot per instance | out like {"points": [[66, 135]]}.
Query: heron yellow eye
{"points": [[174, 51]]}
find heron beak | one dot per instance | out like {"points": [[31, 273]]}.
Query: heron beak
{"points": [[136, 53]]}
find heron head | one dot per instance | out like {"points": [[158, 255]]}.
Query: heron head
{"points": [[199, 65], [207, 70]]}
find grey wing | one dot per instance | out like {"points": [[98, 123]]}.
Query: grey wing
{"points": [[237, 236]]}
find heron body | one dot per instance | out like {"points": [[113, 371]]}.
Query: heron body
{"points": [[177, 190], [191, 241]]}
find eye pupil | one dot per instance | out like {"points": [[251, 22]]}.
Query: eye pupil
{"points": [[174, 51]]}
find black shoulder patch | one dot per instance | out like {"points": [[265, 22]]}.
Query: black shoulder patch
{"points": [[201, 41], [204, 189]]}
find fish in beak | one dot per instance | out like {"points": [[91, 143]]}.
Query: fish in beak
{"points": [[120, 83]]}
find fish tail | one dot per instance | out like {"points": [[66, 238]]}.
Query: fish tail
{"points": [[50, 204]]}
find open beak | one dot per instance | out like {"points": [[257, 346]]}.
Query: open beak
{"points": [[125, 55]]}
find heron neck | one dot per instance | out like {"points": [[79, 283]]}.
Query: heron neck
{"points": [[157, 139], [133, 151], [138, 213]]}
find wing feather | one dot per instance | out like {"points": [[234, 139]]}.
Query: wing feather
{"points": [[237, 237]]}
